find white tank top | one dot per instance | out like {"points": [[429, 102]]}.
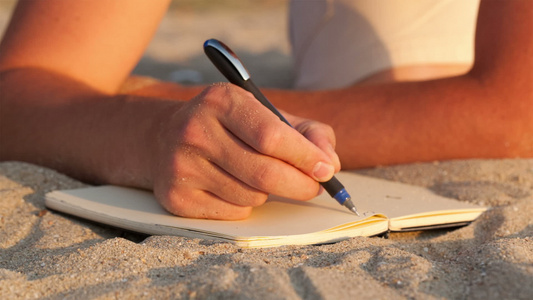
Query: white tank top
{"points": [[336, 43]]}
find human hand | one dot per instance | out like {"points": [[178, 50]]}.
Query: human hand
{"points": [[223, 152]]}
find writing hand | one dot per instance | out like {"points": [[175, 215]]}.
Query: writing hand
{"points": [[222, 153]]}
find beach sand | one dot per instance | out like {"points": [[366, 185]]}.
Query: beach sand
{"points": [[49, 255]]}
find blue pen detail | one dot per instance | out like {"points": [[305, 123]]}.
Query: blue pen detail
{"points": [[342, 196]]}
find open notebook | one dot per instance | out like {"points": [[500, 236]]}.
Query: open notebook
{"points": [[384, 205]]}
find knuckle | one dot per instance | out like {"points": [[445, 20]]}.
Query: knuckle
{"points": [[217, 96], [312, 126], [175, 201], [328, 129], [193, 134], [268, 139], [237, 214], [263, 177], [310, 192], [256, 199]]}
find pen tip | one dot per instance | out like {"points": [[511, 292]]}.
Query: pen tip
{"points": [[355, 211], [349, 204]]}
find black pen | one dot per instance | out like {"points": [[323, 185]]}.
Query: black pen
{"points": [[232, 68]]}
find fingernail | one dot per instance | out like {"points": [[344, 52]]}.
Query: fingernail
{"points": [[323, 171]]}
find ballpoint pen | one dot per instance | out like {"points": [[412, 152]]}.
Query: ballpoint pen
{"points": [[232, 68]]}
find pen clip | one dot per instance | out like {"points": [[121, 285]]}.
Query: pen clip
{"points": [[217, 51]]}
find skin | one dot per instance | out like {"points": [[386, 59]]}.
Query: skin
{"points": [[483, 113], [215, 156], [215, 152]]}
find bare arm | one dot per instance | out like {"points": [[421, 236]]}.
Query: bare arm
{"points": [[486, 113], [60, 61], [61, 64], [95, 42]]}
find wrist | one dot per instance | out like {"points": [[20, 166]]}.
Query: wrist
{"points": [[137, 141]]}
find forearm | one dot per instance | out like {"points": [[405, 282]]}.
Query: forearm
{"points": [[95, 42], [453, 118], [200, 157], [57, 122], [461, 117], [485, 113]]}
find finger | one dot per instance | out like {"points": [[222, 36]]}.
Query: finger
{"points": [[193, 203], [320, 134], [182, 193], [231, 189], [254, 171], [180, 189], [262, 172], [195, 172], [258, 127]]}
